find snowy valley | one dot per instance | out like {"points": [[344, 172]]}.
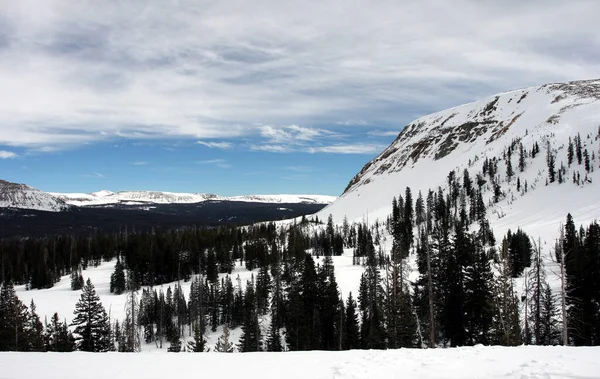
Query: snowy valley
{"points": [[520, 160]]}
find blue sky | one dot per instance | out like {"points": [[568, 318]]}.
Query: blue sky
{"points": [[239, 97]]}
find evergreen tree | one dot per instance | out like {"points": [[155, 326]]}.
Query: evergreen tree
{"points": [[117, 279], [198, 344], [578, 148], [506, 329], [250, 339], [351, 334], [274, 338], [522, 164], [91, 321], [570, 152], [509, 169], [35, 330], [223, 345], [57, 336], [14, 317], [76, 280]]}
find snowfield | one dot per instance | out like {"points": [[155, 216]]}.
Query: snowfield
{"points": [[464, 363]]}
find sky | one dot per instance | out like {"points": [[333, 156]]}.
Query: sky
{"points": [[256, 97]]}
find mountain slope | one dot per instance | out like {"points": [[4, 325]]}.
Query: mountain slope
{"points": [[429, 148], [21, 196]]}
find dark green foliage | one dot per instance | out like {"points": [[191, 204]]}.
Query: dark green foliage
{"points": [[92, 327], [274, 337], [351, 331], [582, 254], [519, 252], [76, 280], [250, 339], [14, 317], [198, 344], [57, 336], [117, 279]]}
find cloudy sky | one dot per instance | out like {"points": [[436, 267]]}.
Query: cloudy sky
{"points": [[239, 97]]}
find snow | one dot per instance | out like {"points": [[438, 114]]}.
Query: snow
{"points": [[464, 363], [541, 210], [13, 195], [62, 299]]}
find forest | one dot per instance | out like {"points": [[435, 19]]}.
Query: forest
{"points": [[446, 281]]}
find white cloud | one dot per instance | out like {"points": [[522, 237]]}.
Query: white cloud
{"points": [[272, 148], [348, 149], [95, 175], [384, 133], [7, 154], [217, 145], [222, 163], [73, 73], [140, 163]]}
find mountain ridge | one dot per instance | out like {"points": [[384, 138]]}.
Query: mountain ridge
{"points": [[22, 196], [434, 146]]}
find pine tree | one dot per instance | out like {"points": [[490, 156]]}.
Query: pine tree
{"points": [[198, 344], [13, 320], [351, 334], [550, 333], [91, 321], [223, 345], [509, 169], [522, 164], [117, 279], [586, 161], [76, 280], [35, 330], [57, 336], [250, 339], [570, 152], [578, 148], [506, 329]]}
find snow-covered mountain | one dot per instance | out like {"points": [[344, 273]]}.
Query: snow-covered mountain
{"points": [[156, 197], [14, 195], [429, 148]]}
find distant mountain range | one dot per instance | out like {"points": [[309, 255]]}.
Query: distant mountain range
{"points": [[26, 211], [21, 196]]}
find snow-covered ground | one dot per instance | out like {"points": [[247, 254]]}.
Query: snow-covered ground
{"points": [[474, 362], [62, 299]]}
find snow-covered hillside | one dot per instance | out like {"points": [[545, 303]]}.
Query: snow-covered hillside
{"points": [[14, 195], [477, 362], [461, 138], [157, 197]]}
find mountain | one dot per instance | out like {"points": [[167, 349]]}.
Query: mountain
{"points": [[104, 198], [26, 211], [21, 196], [445, 143]]}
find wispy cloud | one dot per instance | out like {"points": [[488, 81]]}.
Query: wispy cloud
{"points": [[291, 134], [299, 168], [384, 133], [272, 148], [95, 175], [217, 145], [7, 154], [140, 163], [348, 149], [222, 163]]}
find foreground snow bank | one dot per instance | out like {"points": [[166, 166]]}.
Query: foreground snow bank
{"points": [[468, 362]]}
